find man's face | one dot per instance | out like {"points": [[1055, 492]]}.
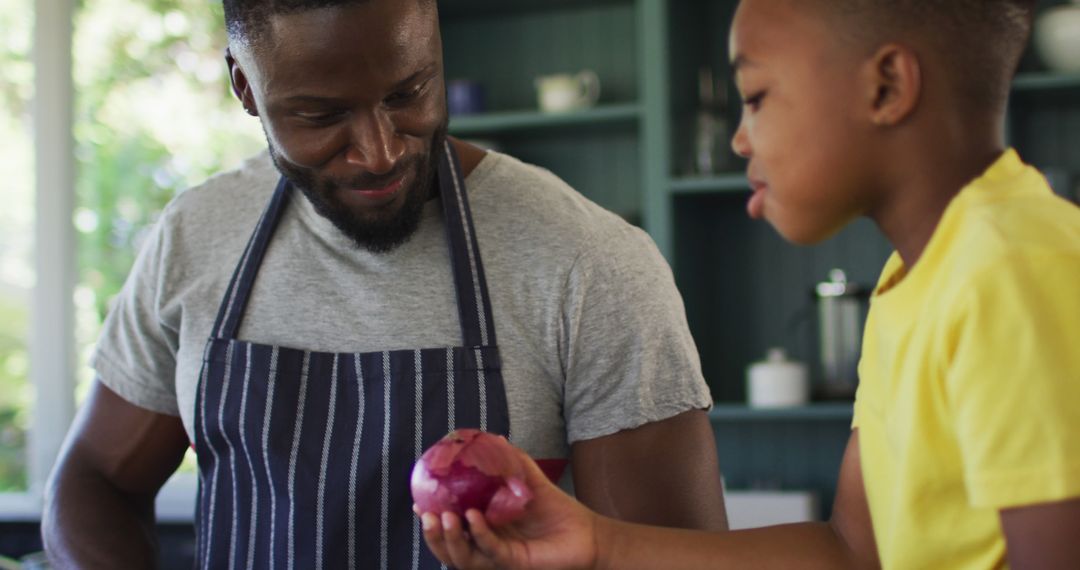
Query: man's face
{"points": [[801, 127], [352, 102]]}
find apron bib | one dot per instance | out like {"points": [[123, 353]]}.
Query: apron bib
{"points": [[305, 457]]}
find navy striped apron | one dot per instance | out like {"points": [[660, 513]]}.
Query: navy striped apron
{"points": [[304, 457]]}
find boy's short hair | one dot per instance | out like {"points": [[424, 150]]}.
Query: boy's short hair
{"points": [[980, 40]]}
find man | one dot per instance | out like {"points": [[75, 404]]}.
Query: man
{"points": [[359, 324]]}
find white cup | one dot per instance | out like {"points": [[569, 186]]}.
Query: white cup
{"points": [[567, 92]]}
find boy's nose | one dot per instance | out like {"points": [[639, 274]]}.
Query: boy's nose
{"points": [[740, 143]]}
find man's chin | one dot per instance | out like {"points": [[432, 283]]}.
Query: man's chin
{"points": [[376, 225], [379, 230]]}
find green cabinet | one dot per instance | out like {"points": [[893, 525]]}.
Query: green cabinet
{"points": [[505, 45], [744, 288]]}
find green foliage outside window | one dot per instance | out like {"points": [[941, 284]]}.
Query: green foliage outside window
{"points": [[16, 237], [13, 396], [154, 115]]}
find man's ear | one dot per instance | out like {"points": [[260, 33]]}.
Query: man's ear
{"points": [[240, 86], [894, 84]]}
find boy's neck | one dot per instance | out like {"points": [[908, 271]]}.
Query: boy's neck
{"points": [[927, 182]]}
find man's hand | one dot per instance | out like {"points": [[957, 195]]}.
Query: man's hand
{"points": [[556, 532]]}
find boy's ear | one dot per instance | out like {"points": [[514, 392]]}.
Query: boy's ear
{"points": [[240, 86], [895, 84]]}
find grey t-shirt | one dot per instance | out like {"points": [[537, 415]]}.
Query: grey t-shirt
{"points": [[590, 326]]}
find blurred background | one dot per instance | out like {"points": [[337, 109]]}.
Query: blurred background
{"points": [[109, 108], [152, 115]]}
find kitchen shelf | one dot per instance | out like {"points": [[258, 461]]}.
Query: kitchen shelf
{"points": [[832, 411], [709, 184], [626, 114], [744, 288], [498, 8], [1045, 81]]}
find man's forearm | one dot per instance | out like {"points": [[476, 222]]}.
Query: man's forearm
{"points": [[627, 546], [89, 523], [664, 473]]}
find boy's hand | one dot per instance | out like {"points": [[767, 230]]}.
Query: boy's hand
{"points": [[556, 533]]}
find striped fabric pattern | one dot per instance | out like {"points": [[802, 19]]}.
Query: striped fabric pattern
{"points": [[321, 447], [304, 456]]}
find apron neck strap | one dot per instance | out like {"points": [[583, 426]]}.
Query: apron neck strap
{"points": [[232, 308], [473, 300]]}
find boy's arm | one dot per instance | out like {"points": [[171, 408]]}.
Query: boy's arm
{"points": [[846, 541], [1043, 536], [850, 520], [558, 533], [664, 473]]}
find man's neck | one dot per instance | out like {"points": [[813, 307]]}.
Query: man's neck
{"points": [[469, 155]]}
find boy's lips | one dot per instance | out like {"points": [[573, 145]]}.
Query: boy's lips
{"points": [[755, 207]]}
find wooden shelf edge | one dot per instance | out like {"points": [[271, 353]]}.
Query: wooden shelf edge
{"points": [[722, 183], [728, 412], [460, 9], [511, 121], [1045, 81]]}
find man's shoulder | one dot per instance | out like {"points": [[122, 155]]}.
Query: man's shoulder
{"points": [[530, 203], [216, 218], [515, 183], [228, 193]]}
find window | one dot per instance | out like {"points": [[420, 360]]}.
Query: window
{"points": [[152, 114], [16, 240]]}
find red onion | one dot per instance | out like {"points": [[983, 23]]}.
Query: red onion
{"points": [[471, 469]]}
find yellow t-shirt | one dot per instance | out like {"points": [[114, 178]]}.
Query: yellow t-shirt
{"points": [[969, 396]]}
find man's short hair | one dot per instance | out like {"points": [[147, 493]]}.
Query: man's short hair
{"points": [[247, 19], [981, 41]]}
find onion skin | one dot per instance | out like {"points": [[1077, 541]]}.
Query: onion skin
{"points": [[471, 469]]}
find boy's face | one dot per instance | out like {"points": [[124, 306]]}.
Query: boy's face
{"points": [[802, 130]]}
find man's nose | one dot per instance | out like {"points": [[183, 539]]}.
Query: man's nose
{"points": [[374, 143], [739, 142]]}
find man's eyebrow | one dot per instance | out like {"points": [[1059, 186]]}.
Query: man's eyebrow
{"points": [[429, 68], [311, 99], [318, 99]]}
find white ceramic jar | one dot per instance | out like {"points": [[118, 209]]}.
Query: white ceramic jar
{"points": [[1057, 37], [777, 382]]}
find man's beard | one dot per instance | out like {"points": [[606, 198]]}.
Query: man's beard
{"points": [[378, 232]]}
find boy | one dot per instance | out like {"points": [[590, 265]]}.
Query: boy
{"points": [[965, 446]]}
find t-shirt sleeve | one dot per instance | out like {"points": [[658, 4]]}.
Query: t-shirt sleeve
{"points": [[136, 352], [1014, 382], [628, 355]]}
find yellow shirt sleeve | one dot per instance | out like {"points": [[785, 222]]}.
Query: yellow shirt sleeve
{"points": [[1013, 381]]}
